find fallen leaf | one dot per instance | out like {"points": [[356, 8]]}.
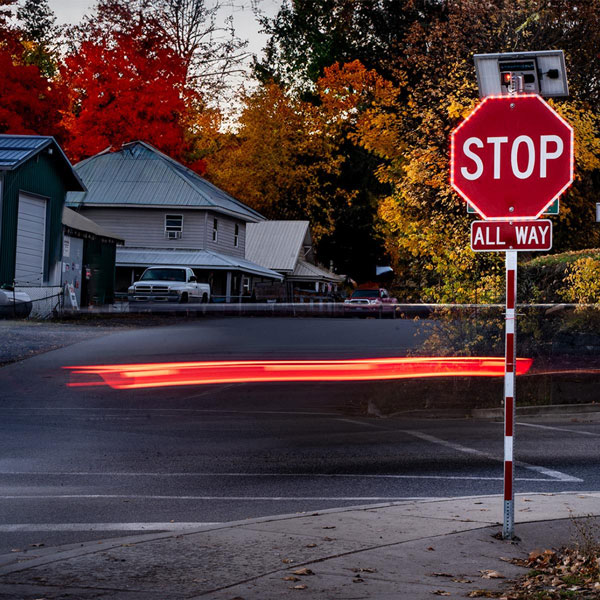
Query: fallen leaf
{"points": [[363, 570], [534, 554], [462, 580], [291, 578], [431, 549], [328, 539], [440, 593], [482, 594], [16, 550], [303, 571], [442, 575], [299, 587], [491, 574], [328, 527], [358, 580], [311, 545], [506, 559], [37, 545], [287, 561]]}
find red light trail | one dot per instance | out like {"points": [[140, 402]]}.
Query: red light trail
{"points": [[153, 375]]}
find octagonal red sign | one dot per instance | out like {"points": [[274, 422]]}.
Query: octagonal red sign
{"points": [[512, 157]]}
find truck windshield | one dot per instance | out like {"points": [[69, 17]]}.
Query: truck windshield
{"points": [[163, 275], [365, 294]]}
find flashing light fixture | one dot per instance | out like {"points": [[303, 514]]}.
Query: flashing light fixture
{"points": [[543, 71]]}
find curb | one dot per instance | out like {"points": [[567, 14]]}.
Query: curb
{"points": [[534, 411], [9, 563], [487, 413]]}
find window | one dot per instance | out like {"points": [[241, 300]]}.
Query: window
{"points": [[158, 274], [173, 226], [215, 230], [236, 236]]}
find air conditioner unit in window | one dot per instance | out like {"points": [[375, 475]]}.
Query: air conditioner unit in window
{"points": [[173, 235]]}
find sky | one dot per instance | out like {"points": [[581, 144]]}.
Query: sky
{"points": [[71, 11]]}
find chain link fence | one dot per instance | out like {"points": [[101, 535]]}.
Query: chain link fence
{"points": [[32, 300]]}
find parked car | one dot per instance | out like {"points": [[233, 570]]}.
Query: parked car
{"points": [[14, 304], [168, 284], [371, 301]]}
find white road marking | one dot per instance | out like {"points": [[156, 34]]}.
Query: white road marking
{"points": [[208, 498], [173, 410], [256, 475], [551, 473], [554, 475], [559, 429], [365, 424], [16, 527], [441, 442]]}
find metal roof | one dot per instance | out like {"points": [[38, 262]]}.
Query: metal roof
{"points": [[306, 271], [15, 150], [74, 220], [277, 245], [198, 259], [140, 175]]}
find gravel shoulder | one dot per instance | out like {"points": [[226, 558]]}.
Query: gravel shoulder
{"points": [[20, 339]]}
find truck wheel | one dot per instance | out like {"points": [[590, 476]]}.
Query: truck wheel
{"points": [[205, 298], [184, 298]]}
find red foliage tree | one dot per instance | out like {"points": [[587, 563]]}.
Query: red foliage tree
{"points": [[124, 85], [29, 104]]}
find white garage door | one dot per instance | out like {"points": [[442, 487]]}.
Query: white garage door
{"points": [[31, 240]]}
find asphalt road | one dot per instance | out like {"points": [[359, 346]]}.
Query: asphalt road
{"points": [[88, 463]]}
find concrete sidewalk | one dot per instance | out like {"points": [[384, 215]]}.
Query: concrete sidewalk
{"points": [[410, 550]]}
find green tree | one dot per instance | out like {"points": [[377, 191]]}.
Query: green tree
{"points": [[306, 36], [39, 36]]}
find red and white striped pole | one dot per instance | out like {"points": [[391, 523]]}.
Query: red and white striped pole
{"points": [[508, 530]]}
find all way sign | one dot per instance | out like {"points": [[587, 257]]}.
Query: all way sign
{"points": [[496, 236]]}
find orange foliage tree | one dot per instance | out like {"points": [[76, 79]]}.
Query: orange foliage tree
{"points": [[297, 159], [282, 161]]}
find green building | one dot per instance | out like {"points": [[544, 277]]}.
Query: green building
{"points": [[35, 176]]}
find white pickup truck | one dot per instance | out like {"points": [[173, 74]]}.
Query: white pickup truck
{"points": [[168, 284]]}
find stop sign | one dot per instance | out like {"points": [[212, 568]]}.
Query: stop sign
{"points": [[512, 157]]}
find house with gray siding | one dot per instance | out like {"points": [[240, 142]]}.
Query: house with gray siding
{"points": [[286, 247], [168, 215]]}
